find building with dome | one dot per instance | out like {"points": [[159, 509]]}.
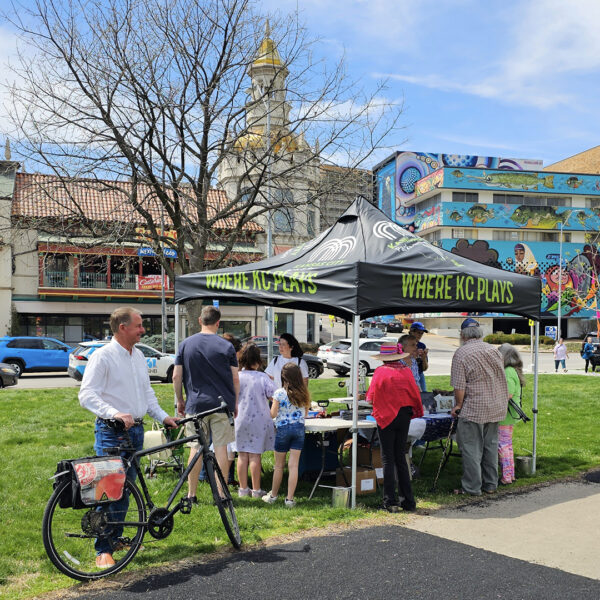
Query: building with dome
{"points": [[273, 156]]}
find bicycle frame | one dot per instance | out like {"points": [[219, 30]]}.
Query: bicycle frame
{"points": [[133, 460]]}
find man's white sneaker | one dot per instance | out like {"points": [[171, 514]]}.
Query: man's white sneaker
{"points": [[244, 492], [290, 503], [268, 498], [258, 493]]}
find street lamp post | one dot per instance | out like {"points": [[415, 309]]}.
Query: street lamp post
{"points": [[558, 333], [269, 309]]}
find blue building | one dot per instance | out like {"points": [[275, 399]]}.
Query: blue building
{"points": [[509, 213]]}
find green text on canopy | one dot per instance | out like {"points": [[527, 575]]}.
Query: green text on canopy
{"points": [[289, 282], [456, 287]]}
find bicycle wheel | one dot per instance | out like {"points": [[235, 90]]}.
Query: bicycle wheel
{"points": [[223, 500], [69, 535]]}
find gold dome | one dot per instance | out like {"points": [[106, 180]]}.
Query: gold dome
{"points": [[256, 139], [267, 53]]}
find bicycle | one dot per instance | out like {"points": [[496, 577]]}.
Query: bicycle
{"points": [[69, 535]]}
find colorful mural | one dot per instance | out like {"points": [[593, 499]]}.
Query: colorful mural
{"points": [[580, 268], [386, 187], [512, 216], [409, 167], [524, 181]]}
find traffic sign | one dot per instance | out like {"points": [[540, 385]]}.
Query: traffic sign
{"points": [[531, 322], [551, 331], [216, 303]]}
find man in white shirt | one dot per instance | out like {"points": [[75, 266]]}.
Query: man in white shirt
{"points": [[116, 385]]}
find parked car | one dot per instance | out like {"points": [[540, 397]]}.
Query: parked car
{"points": [[394, 327], [27, 354], [340, 356], [315, 365], [324, 350], [372, 332], [258, 339], [160, 366], [8, 376]]}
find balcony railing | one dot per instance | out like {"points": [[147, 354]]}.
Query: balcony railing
{"points": [[122, 281], [59, 279], [93, 280], [118, 281]]}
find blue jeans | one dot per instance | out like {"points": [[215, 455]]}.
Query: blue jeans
{"points": [[289, 437], [105, 437], [559, 361], [422, 383]]}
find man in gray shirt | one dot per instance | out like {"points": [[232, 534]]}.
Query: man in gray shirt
{"points": [[481, 396]]}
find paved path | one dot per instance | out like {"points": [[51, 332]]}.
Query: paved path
{"points": [[526, 546]]}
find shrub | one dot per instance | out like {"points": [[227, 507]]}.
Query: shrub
{"points": [[156, 342], [517, 339]]}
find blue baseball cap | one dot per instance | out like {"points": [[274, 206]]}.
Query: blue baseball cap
{"points": [[469, 323], [418, 326]]}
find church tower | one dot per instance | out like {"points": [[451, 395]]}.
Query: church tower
{"points": [[290, 170]]}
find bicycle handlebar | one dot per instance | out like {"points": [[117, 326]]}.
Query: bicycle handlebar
{"points": [[222, 408]]}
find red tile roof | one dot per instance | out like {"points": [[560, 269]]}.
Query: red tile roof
{"points": [[47, 196]]}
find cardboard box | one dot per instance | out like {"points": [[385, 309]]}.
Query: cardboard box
{"points": [[365, 480], [374, 460]]}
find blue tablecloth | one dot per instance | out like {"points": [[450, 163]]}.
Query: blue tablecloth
{"points": [[436, 427]]}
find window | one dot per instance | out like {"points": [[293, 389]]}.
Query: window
{"points": [[240, 329], [310, 328], [50, 345], [508, 199], [429, 203], [592, 202], [432, 236], [310, 223], [284, 323], [465, 197], [24, 343], [283, 220], [464, 233]]}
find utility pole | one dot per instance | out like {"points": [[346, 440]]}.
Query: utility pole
{"points": [[558, 333]]}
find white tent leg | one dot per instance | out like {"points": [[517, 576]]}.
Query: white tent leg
{"points": [[535, 392], [355, 392], [176, 347]]}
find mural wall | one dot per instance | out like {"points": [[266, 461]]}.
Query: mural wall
{"points": [[410, 167], [386, 187], [509, 216], [580, 269], [543, 182]]}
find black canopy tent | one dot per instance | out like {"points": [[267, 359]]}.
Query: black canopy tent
{"points": [[367, 265]]}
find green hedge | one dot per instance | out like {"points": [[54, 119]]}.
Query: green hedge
{"points": [[519, 339]]}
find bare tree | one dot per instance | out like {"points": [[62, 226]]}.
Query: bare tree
{"points": [[148, 100]]}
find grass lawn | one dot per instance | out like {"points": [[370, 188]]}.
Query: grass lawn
{"points": [[40, 427]]}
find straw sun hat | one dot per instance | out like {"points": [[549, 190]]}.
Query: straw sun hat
{"points": [[389, 352]]}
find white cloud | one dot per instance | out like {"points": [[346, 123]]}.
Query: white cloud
{"points": [[546, 43]]}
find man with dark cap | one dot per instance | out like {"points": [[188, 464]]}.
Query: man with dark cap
{"points": [[481, 398], [417, 329]]}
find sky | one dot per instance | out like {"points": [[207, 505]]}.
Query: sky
{"points": [[517, 79]]}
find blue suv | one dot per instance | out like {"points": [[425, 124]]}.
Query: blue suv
{"points": [[29, 354]]}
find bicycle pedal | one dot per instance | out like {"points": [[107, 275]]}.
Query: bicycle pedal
{"points": [[185, 505]]}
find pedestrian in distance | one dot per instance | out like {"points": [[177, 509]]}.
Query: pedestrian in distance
{"points": [[515, 381], [289, 351], [289, 409], [116, 386], [254, 431], [206, 367], [481, 398], [560, 355], [396, 400], [587, 351], [417, 329]]}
